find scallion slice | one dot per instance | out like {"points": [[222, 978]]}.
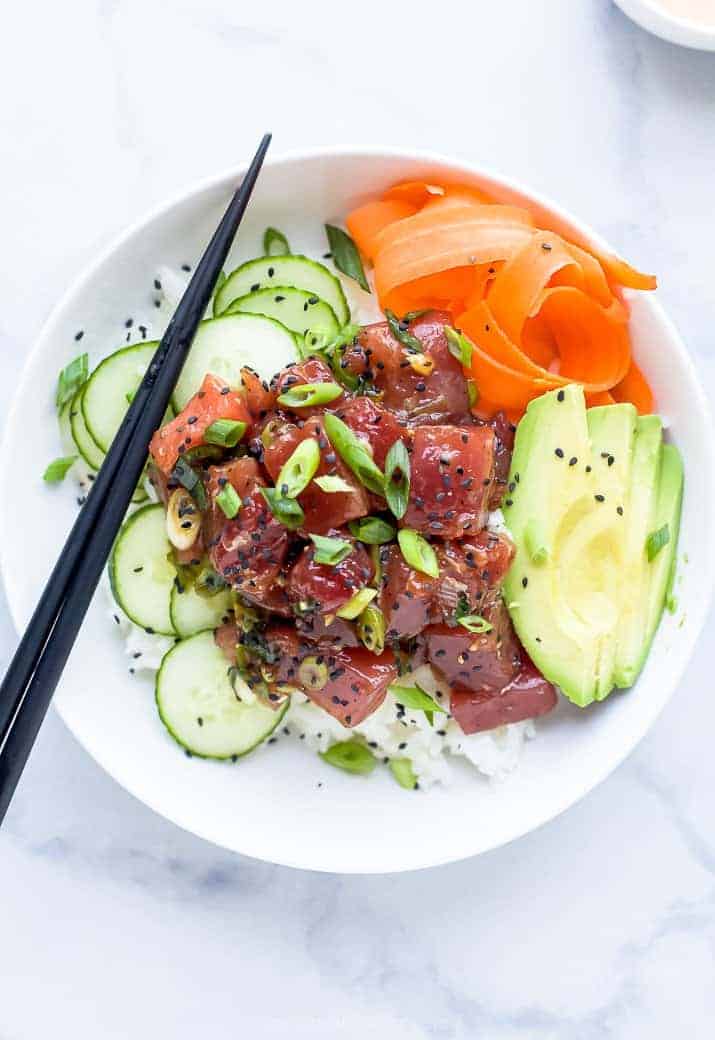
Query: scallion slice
{"points": [[298, 471], [187, 476], [401, 769], [275, 243], [286, 510], [333, 484], [372, 530], [402, 334], [352, 756], [415, 698], [225, 432], [71, 379], [475, 623], [397, 479], [459, 346], [330, 551], [309, 395], [354, 454], [356, 604], [58, 469], [346, 256], [229, 501], [417, 552]]}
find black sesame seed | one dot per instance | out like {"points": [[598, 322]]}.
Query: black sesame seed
{"points": [[559, 453], [600, 498], [560, 395], [573, 460], [78, 335]]}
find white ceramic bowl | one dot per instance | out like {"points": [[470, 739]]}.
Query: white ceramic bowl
{"points": [[283, 804], [659, 21]]}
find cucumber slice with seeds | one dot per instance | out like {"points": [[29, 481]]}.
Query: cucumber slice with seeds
{"points": [[140, 573], [222, 346], [191, 613], [104, 400], [198, 705], [296, 271], [299, 310]]}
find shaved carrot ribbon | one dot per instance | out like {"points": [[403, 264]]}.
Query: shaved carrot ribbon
{"points": [[541, 310]]}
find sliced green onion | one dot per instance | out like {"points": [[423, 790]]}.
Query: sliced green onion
{"points": [[472, 392], [371, 629], [190, 479], [229, 501], [414, 315], [225, 432], [308, 395], [71, 378], [355, 606], [315, 341], [459, 346], [130, 395], [475, 623], [415, 698], [401, 769], [58, 469], [202, 453], [372, 530], [397, 479], [656, 540], [402, 334], [354, 454], [208, 583], [376, 558], [284, 509], [275, 243], [330, 551], [298, 471], [346, 256], [333, 484], [352, 756], [417, 552]]}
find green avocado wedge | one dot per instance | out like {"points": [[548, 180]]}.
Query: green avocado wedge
{"points": [[589, 487]]}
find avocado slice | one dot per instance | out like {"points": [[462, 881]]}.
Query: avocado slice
{"points": [[613, 432], [668, 509], [563, 588], [640, 512]]}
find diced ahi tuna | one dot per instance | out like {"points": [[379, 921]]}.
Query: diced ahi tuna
{"points": [[312, 370], [503, 447], [322, 588], [337, 633], [470, 573], [373, 424], [249, 551], [526, 696], [349, 684], [215, 400], [323, 510], [260, 399], [406, 596], [451, 479], [486, 661], [432, 393]]}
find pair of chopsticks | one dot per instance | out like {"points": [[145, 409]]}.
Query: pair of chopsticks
{"points": [[40, 658]]}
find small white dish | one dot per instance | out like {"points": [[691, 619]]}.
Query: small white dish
{"points": [[283, 804], [655, 18]]}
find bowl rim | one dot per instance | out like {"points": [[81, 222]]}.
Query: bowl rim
{"points": [[685, 32], [345, 151]]}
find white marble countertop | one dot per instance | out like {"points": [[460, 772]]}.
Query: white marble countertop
{"points": [[113, 922]]}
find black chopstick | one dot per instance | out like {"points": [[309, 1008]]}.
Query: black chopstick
{"points": [[40, 658]]}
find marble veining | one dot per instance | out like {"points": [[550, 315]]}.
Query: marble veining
{"points": [[115, 923]]}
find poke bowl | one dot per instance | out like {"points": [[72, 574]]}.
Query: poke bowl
{"points": [[357, 653]]}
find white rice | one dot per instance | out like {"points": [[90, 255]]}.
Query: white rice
{"points": [[389, 732]]}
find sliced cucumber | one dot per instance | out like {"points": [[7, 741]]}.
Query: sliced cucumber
{"points": [[104, 400], [299, 310], [296, 271], [140, 572], [198, 706], [191, 613], [70, 446], [222, 346], [86, 446]]}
